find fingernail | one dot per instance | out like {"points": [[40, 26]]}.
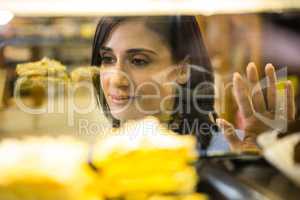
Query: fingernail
{"points": [[250, 69], [251, 64], [288, 84], [269, 66], [236, 75]]}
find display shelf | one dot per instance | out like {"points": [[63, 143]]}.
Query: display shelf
{"points": [[42, 41]]}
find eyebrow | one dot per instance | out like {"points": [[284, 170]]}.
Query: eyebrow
{"points": [[105, 49], [141, 50], [135, 50]]}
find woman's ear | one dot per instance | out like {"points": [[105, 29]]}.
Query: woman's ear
{"points": [[182, 75]]}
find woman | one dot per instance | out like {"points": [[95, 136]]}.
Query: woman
{"points": [[159, 66]]}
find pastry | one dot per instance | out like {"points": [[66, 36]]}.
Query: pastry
{"points": [[35, 78], [145, 157], [44, 67], [46, 168], [85, 73]]}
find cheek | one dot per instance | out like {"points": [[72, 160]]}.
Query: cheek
{"points": [[104, 82], [153, 86], [145, 85], [154, 93], [148, 89]]}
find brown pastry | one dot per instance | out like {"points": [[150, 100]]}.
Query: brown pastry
{"points": [[35, 77], [44, 67], [84, 73]]}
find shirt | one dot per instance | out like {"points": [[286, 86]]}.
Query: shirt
{"points": [[219, 144]]}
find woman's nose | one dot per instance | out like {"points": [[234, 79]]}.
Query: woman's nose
{"points": [[119, 79]]}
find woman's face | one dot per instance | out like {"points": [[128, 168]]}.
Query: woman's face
{"points": [[137, 72]]}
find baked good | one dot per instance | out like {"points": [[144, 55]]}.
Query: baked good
{"points": [[45, 168], [35, 78], [145, 157], [141, 160], [84, 73], [44, 67]]}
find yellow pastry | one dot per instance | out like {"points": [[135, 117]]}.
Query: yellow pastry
{"points": [[145, 157], [45, 168]]}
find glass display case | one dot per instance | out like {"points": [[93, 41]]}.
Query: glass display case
{"points": [[52, 85]]}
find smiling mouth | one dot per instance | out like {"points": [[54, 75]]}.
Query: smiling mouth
{"points": [[120, 100]]}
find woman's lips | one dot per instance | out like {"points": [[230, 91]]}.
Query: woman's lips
{"points": [[119, 100]]}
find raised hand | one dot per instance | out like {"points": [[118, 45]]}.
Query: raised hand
{"points": [[259, 115]]}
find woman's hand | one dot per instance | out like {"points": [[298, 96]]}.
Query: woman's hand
{"points": [[253, 107]]}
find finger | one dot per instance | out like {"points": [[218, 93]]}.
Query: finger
{"points": [[271, 86], [229, 132], [256, 92], [241, 93], [290, 100]]}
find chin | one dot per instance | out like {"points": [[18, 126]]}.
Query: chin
{"points": [[128, 115], [132, 112]]}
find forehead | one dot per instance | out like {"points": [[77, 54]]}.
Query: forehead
{"points": [[134, 34]]}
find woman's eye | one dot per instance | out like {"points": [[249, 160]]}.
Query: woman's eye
{"points": [[108, 60], [139, 62]]}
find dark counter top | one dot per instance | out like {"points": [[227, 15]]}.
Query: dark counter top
{"points": [[244, 178]]}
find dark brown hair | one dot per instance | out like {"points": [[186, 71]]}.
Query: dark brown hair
{"points": [[182, 35]]}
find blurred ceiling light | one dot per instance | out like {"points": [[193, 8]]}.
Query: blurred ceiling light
{"points": [[5, 17], [142, 7]]}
